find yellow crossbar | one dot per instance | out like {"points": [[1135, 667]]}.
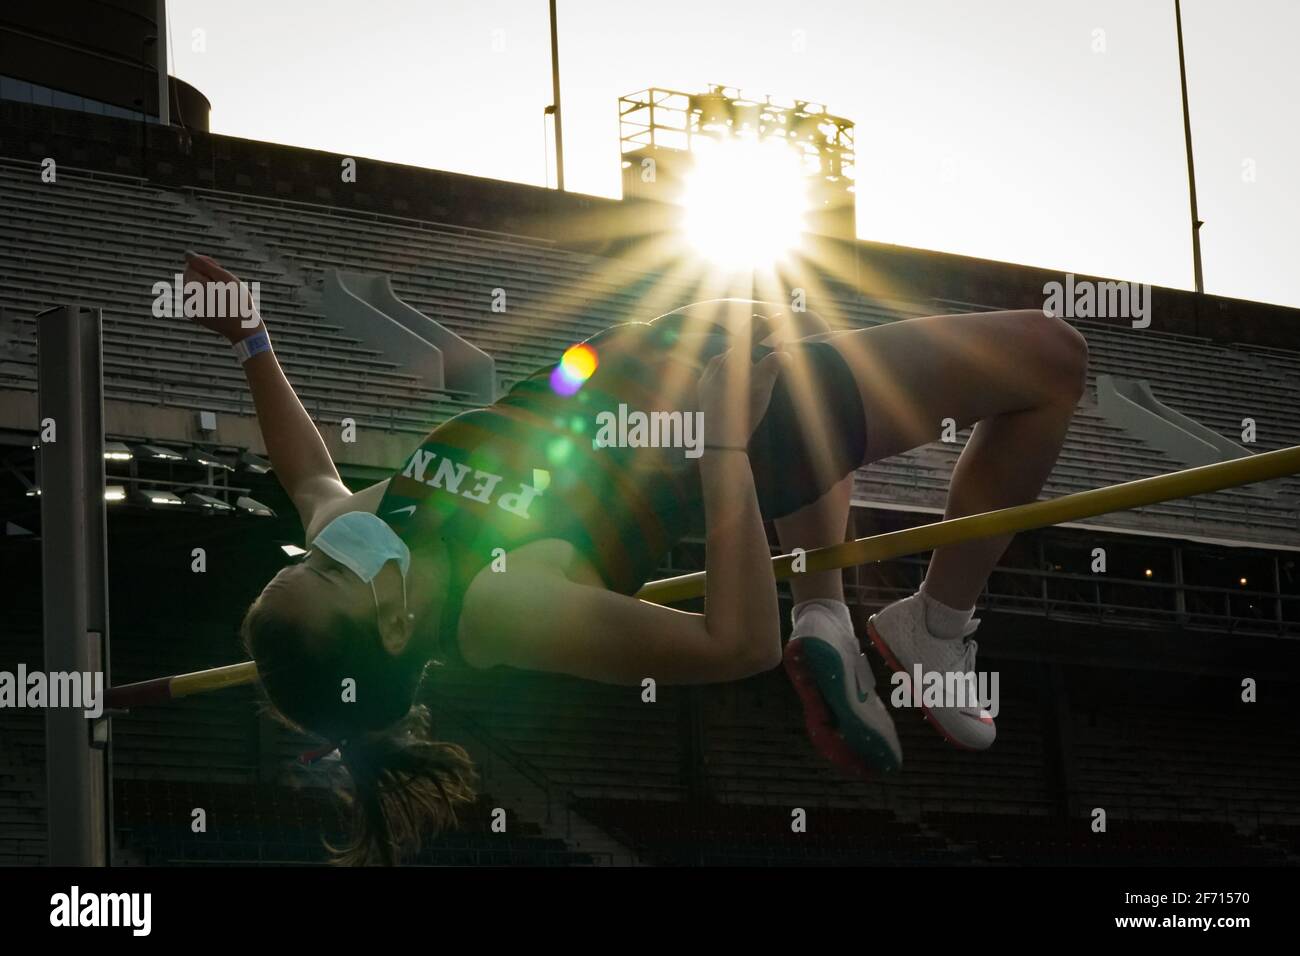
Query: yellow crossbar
{"points": [[1038, 514]]}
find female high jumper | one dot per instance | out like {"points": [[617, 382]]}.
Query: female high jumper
{"points": [[510, 538]]}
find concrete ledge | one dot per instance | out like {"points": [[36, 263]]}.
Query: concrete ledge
{"points": [[1130, 404], [465, 367], [349, 302]]}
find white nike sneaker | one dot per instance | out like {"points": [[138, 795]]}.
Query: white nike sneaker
{"points": [[899, 633], [846, 720]]}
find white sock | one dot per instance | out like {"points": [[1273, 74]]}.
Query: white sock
{"points": [[838, 611], [942, 621]]}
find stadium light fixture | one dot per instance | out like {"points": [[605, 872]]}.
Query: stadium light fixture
{"points": [[157, 453], [200, 457], [114, 493], [117, 451], [206, 502], [154, 496], [745, 201], [255, 464], [253, 507]]}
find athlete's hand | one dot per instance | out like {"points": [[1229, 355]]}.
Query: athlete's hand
{"points": [[235, 312], [734, 395]]}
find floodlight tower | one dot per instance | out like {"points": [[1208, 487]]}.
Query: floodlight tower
{"points": [[660, 129]]}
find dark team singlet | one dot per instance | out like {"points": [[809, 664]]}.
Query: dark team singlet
{"points": [[528, 467]]}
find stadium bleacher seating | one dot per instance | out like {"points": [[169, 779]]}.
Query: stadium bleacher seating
{"points": [[114, 237]]}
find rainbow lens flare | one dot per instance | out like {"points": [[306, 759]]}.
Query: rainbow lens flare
{"points": [[576, 366]]}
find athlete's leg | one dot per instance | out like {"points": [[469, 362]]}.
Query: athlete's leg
{"points": [[817, 525], [846, 719], [1017, 374], [823, 522]]}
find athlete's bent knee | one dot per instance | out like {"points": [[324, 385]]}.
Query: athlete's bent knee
{"points": [[1071, 356], [1058, 351]]}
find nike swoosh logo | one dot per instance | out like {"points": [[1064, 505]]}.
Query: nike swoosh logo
{"points": [[409, 509], [859, 666]]}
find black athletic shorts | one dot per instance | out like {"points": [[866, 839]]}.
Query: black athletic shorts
{"points": [[814, 432]]}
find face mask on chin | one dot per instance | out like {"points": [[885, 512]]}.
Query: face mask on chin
{"points": [[363, 543]]}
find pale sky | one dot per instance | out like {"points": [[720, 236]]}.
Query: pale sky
{"points": [[1045, 132]]}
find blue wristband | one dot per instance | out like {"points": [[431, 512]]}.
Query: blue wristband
{"points": [[245, 349]]}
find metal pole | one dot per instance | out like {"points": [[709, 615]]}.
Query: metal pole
{"points": [[164, 93], [74, 582], [1191, 169], [555, 83]]}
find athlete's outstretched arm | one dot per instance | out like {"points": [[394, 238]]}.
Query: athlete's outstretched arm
{"points": [[537, 619], [298, 454]]}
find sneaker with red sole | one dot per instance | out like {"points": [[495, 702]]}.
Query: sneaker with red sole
{"points": [[846, 720], [900, 634]]}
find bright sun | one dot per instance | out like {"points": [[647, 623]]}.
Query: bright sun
{"points": [[745, 202]]}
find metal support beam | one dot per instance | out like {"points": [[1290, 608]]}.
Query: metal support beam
{"points": [[74, 582]]}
